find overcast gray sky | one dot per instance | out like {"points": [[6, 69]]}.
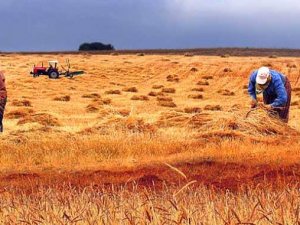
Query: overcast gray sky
{"points": [[38, 25]]}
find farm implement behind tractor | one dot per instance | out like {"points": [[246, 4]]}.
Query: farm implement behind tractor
{"points": [[53, 71]]}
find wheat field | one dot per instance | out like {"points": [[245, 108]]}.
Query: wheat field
{"points": [[146, 139]]}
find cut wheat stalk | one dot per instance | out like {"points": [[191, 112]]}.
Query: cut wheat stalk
{"points": [[176, 170], [184, 187]]}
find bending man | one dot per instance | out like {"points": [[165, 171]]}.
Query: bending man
{"points": [[3, 99], [276, 90]]}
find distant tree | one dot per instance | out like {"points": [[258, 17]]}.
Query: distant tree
{"points": [[95, 46]]}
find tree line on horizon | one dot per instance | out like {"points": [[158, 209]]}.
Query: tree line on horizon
{"points": [[96, 46]]}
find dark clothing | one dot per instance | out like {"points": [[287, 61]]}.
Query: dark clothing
{"points": [[275, 91], [284, 111], [3, 93], [2, 108], [3, 97]]}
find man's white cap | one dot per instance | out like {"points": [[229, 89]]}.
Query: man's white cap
{"points": [[262, 75]]}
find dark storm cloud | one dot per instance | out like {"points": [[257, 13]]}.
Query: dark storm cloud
{"points": [[64, 24]]}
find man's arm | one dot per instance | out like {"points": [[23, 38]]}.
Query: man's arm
{"points": [[2, 79], [251, 86], [281, 94]]}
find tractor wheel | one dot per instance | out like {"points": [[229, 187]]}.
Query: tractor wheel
{"points": [[53, 74]]}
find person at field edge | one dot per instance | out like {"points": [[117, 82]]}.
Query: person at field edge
{"points": [[276, 90], [3, 98]]}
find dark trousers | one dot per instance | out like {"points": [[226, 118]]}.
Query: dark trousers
{"points": [[2, 108], [284, 111]]}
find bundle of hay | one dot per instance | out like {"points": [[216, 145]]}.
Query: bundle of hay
{"points": [[19, 113], [203, 83], [182, 119], [172, 78], [213, 108], [195, 96], [243, 124], [169, 90], [92, 95], [140, 98], [40, 118], [113, 92], [170, 104], [157, 86], [24, 102], [120, 123], [130, 89], [226, 92], [65, 98], [155, 93]]}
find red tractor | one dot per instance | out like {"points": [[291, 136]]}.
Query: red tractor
{"points": [[52, 71]]}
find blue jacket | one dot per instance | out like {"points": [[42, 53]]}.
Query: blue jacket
{"points": [[276, 89]]}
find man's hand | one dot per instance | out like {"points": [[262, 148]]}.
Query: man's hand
{"points": [[253, 103], [268, 107]]}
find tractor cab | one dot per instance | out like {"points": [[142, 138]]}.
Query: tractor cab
{"points": [[53, 69], [53, 64]]}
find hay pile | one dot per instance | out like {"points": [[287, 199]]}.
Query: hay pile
{"points": [[236, 124], [182, 119], [242, 124], [43, 119], [121, 123]]}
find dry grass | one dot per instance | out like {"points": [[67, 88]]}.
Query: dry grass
{"points": [[226, 92], [41, 118], [253, 124], [193, 69], [124, 112], [25, 103], [207, 77], [105, 101], [291, 65], [169, 90], [92, 108], [198, 89], [196, 96], [227, 70], [157, 86], [130, 89], [155, 93], [130, 205], [213, 107], [59, 163], [113, 92], [170, 104], [296, 89], [192, 110], [203, 83], [19, 113], [65, 98], [164, 98], [140, 97], [173, 78], [92, 95]]}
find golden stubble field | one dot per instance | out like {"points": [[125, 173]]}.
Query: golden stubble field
{"points": [[154, 139]]}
